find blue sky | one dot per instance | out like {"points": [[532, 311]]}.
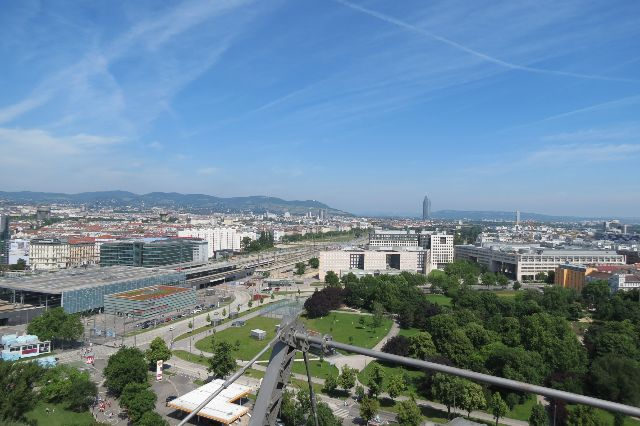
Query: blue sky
{"points": [[365, 105]]}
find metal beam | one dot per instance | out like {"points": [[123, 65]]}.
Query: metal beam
{"points": [[472, 375], [229, 381]]}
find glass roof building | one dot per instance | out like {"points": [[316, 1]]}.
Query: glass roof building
{"points": [[83, 289]]}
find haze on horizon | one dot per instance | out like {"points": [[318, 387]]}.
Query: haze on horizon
{"points": [[363, 105]]}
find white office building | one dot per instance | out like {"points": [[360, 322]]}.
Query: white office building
{"points": [[624, 282], [525, 261], [372, 262], [439, 252], [217, 238]]}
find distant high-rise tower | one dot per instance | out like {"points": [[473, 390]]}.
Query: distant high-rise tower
{"points": [[517, 217], [426, 208], [5, 237]]}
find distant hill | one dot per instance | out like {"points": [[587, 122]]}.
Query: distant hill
{"points": [[510, 216], [196, 203]]}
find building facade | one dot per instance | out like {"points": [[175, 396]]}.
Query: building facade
{"points": [[151, 302], [440, 252], [153, 253], [48, 254], [572, 276], [624, 282], [524, 262], [5, 239], [426, 208], [219, 239], [82, 289], [393, 239], [371, 262], [82, 252]]}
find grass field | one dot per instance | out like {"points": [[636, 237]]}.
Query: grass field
{"points": [[522, 411], [61, 416], [342, 326], [408, 332], [440, 299], [185, 355], [248, 347], [506, 293], [209, 326]]}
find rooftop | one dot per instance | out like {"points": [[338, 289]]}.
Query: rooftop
{"points": [[148, 293], [80, 278], [221, 408]]}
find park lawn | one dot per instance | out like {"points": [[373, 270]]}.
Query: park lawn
{"points": [[414, 377], [249, 347], [61, 417], [187, 356], [209, 326], [439, 299], [409, 332], [522, 411], [507, 294], [342, 326], [607, 418], [317, 368]]}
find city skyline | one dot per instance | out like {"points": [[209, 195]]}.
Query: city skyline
{"points": [[531, 106]]}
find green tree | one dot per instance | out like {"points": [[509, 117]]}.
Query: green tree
{"points": [[541, 276], [290, 410], [517, 286], [17, 380], [223, 361], [331, 279], [325, 416], [330, 383], [409, 413], [502, 280], [445, 389], [396, 385], [314, 262], [376, 380], [55, 324], [65, 384], [158, 350], [300, 268], [369, 408], [378, 315], [488, 279], [208, 319], [616, 379], [250, 304], [245, 244], [498, 407], [347, 377], [151, 418], [472, 397], [224, 312], [421, 346], [538, 416], [583, 415], [359, 392], [128, 365], [137, 402]]}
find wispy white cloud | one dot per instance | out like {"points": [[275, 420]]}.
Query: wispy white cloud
{"points": [[583, 153], [158, 68], [470, 51]]}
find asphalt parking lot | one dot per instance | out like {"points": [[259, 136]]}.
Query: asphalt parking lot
{"points": [[172, 384]]}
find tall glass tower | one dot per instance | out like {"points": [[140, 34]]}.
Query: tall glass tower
{"points": [[5, 237], [426, 208]]}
